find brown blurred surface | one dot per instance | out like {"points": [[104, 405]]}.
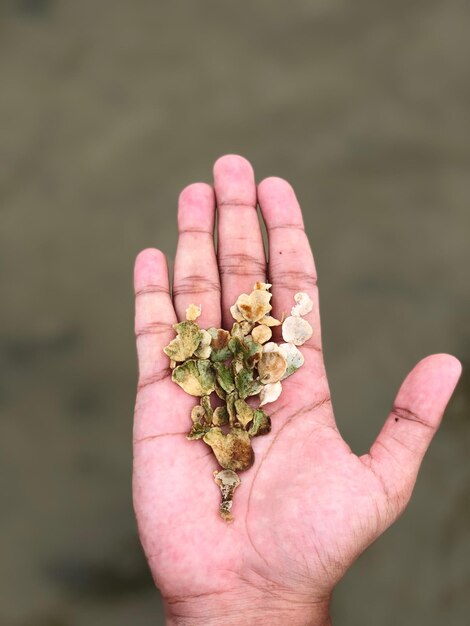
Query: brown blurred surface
{"points": [[107, 109]]}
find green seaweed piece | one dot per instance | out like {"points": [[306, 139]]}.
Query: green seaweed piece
{"points": [[219, 344], [245, 384], [206, 405], [224, 377], [219, 391], [232, 450], [261, 424], [244, 412], [197, 431], [220, 416], [230, 400], [183, 346], [246, 351], [195, 376]]}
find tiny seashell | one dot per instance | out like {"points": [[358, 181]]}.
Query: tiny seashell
{"points": [[227, 478], [294, 358], [296, 330], [271, 346], [193, 312], [269, 393], [304, 304], [271, 366], [261, 333]]}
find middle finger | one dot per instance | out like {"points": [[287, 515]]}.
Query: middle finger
{"points": [[241, 256]]}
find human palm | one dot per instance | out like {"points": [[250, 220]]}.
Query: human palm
{"points": [[308, 506]]}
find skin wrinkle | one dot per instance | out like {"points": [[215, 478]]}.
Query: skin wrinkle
{"points": [[407, 414], [286, 279], [287, 227], [313, 407], [153, 437], [184, 231], [153, 328], [237, 262], [194, 284], [236, 203], [153, 379], [369, 461], [311, 346], [152, 289]]}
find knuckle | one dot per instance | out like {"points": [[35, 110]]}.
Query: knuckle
{"points": [[195, 284], [239, 263]]}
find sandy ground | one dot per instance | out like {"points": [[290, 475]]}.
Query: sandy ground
{"points": [[106, 110]]}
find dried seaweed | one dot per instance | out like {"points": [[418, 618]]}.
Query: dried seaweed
{"points": [[236, 365]]}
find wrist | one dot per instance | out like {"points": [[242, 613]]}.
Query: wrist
{"points": [[241, 610]]}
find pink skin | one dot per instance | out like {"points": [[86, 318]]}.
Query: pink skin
{"points": [[309, 506]]}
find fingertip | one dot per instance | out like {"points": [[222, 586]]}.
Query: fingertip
{"points": [[196, 207], [234, 164], [278, 202], [195, 192], [150, 266], [234, 180], [440, 365], [273, 185]]}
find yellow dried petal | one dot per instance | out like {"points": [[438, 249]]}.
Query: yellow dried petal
{"points": [[254, 306], [296, 330], [246, 327], [261, 333], [262, 286], [236, 313], [268, 320], [193, 312]]}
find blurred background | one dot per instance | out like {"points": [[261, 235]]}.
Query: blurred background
{"points": [[107, 109]]}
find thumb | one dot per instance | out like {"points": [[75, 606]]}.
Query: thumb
{"points": [[397, 453]]}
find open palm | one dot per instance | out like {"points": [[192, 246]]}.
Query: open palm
{"points": [[308, 506]]}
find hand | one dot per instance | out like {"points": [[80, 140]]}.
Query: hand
{"points": [[308, 506]]}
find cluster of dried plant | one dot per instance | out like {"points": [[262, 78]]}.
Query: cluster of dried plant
{"points": [[236, 365]]}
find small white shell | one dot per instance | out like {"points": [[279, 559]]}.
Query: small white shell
{"points": [[226, 478], [304, 304], [261, 333], [270, 347], [269, 393], [294, 358], [193, 312], [296, 330]]}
